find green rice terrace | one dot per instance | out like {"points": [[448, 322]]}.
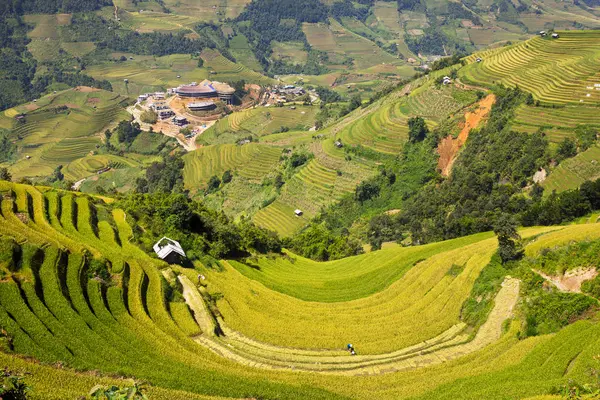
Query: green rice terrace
{"points": [[562, 71], [60, 128], [230, 335]]}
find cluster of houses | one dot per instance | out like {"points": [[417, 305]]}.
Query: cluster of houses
{"points": [[554, 35], [156, 96], [162, 109], [281, 94]]}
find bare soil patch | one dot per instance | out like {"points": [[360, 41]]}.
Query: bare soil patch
{"points": [[86, 89], [449, 147], [571, 281]]}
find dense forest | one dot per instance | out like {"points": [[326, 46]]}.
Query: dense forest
{"points": [[20, 7]]}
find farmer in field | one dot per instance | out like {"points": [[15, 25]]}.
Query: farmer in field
{"points": [[349, 346]]}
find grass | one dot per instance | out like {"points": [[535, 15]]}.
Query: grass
{"points": [[90, 165], [572, 172], [259, 122], [252, 161], [558, 123], [54, 314]]}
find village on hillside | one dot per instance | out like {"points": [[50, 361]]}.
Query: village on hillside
{"points": [[186, 111]]}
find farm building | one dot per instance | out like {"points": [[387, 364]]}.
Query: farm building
{"points": [[206, 89], [201, 106], [142, 97], [180, 121], [542, 33], [446, 80], [555, 36], [338, 144], [298, 213], [165, 113], [169, 250]]}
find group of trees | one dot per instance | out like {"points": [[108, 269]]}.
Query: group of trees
{"points": [[201, 231], [8, 150], [489, 181], [51, 6], [163, 177], [127, 131], [265, 21], [319, 243]]}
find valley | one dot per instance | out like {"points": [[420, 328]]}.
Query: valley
{"points": [[315, 199]]}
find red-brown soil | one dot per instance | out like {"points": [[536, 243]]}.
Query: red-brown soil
{"points": [[449, 146]]}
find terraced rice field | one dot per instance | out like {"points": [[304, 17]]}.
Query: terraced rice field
{"points": [[228, 71], [558, 123], [208, 11], [252, 161], [381, 322], [316, 185], [148, 21], [340, 43], [54, 313], [241, 51], [571, 173], [90, 165], [383, 126], [259, 122], [561, 71], [46, 43], [52, 136], [149, 74]]}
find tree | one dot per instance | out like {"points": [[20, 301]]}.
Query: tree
{"points": [[417, 129], [586, 136], [355, 102], [278, 181], [13, 386], [200, 62], [509, 241], [566, 149], [213, 184], [149, 117], [227, 176], [57, 175], [133, 392], [5, 175], [529, 99], [366, 191]]}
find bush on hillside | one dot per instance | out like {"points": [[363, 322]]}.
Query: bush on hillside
{"points": [[149, 117]]}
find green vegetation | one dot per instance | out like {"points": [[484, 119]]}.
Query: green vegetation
{"points": [[525, 64], [147, 323], [61, 128]]}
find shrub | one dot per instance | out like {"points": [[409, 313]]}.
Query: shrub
{"points": [[149, 117]]}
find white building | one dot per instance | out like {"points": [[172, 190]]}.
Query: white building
{"points": [[169, 250]]}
